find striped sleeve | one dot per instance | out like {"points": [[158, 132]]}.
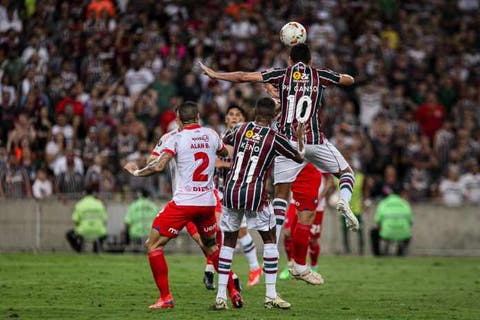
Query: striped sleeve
{"points": [[283, 147], [273, 76], [229, 137], [328, 77]]}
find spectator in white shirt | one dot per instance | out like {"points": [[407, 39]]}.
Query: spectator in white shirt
{"points": [[471, 183], [63, 127], [451, 189], [138, 78], [60, 165], [42, 187], [35, 48]]}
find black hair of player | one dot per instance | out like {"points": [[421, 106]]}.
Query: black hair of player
{"points": [[300, 53], [265, 109], [187, 112], [242, 111], [89, 190], [144, 193]]}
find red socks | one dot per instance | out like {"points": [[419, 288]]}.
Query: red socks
{"points": [[301, 240], [314, 252], [287, 243], [159, 267]]}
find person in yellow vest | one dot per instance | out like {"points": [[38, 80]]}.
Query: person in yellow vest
{"points": [[90, 217]]}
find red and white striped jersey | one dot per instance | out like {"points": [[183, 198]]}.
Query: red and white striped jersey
{"points": [[300, 87], [194, 149]]}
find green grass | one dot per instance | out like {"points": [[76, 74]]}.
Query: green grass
{"points": [[62, 286]]}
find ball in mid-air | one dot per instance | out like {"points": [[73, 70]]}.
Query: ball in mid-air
{"points": [[293, 33]]}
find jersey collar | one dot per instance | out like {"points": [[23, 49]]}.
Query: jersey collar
{"points": [[192, 127]]}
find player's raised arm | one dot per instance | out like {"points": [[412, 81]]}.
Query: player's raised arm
{"points": [[157, 165], [238, 76]]}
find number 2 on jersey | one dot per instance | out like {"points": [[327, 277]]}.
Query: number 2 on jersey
{"points": [[197, 174], [303, 106]]}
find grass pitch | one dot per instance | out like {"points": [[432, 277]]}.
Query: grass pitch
{"points": [[68, 286]]}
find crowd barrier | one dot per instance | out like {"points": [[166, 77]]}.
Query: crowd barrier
{"points": [[40, 226]]}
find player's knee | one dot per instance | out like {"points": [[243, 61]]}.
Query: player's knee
{"points": [[209, 242], [306, 217], [242, 232]]}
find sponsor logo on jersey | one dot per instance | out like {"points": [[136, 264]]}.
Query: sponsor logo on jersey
{"points": [[202, 138], [197, 189], [300, 77], [173, 231], [251, 135]]}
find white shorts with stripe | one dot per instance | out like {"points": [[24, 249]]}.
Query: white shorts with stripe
{"points": [[325, 157], [232, 219]]}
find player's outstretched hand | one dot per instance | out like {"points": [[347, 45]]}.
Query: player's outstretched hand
{"points": [[130, 167], [300, 134], [208, 71]]}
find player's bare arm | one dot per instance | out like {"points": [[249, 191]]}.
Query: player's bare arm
{"points": [[155, 166], [346, 79], [237, 76]]}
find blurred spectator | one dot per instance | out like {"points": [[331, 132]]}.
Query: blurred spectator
{"points": [[42, 186], [470, 181], [138, 220], [14, 180], [90, 217], [430, 115], [138, 78], [394, 218], [451, 189], [123, 67]]}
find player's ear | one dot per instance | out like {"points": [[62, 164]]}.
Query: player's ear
{"points": [[197, 117], [290, 61]]}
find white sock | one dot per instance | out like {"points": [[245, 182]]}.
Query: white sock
{"points": [[224, 266], [209, 268], [250, 251], [270, 266], [279, 208], [299, 268], [346, 183]]}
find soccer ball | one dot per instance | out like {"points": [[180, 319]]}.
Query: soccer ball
{"points": [[293, 33]]}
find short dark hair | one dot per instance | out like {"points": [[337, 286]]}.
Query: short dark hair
{"points": [[300, 53], [265, 108], [187, 111], [234, 106]]}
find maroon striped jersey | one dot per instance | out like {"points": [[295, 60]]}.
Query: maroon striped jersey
{"points": [[300, 87], [255, 147]]}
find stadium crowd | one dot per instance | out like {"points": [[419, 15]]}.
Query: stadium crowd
{"points": [[87, 85]]}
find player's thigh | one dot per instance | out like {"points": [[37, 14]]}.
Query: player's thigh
{"points": [[286, 170], [155, 240], [305, 191], [231, 219], [205, 220], [170, 220], [325, 157], [263, 220]]}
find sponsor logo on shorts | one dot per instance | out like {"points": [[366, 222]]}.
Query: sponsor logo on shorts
{"points": [[210, 228], [173, 231]]}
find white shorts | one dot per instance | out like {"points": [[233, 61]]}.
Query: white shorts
{"points": [[231, 219], [325, 157]]}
